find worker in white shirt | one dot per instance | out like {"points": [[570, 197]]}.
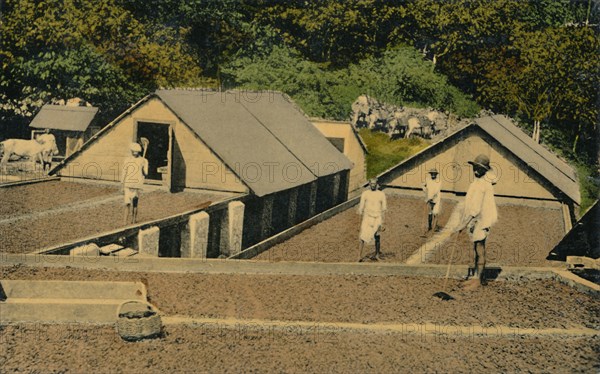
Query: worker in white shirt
{"points": [[372, 207], [433, 198], [135, 170], [479, 216]]}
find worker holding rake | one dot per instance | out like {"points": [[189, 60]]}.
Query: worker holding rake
{"points": [[372, 207], [135, 169], [479, 216]]}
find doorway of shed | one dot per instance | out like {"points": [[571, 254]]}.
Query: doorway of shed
{"points": [[158, 149]]}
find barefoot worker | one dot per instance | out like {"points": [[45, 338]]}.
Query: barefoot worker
{"points": [[372, 207], [135, 169], [479, 216], [433, 193]]}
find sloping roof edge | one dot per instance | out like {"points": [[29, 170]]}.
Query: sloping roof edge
{"points": [[202, 141], [401, 164], [114, 122], [100, 134], [83, 113], [560, 174], [507, 124], [571, 242], [387, 173]]}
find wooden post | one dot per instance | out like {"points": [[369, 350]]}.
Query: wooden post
{"points": [[312, 199], [266, 216], [292, 207], [335, 193], [235, 214]]}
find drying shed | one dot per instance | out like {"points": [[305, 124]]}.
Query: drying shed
{"points": [[258, 144], [583, 239], [348, 141], [524, 170], [69, 124]]}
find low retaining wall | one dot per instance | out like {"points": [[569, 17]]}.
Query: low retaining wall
{"points": [[138, 235], [26, 181], [258, 248]]}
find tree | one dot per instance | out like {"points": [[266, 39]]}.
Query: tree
{"points": [[335, 32], [551, 74], [52, 48], [80, 72], [400, 76]]}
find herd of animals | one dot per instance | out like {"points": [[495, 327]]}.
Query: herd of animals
{"points": [[396, 121], [367, 112]]}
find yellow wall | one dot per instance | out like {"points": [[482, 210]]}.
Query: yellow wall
{"points": [[457, 174], [352, 149], [194, 164]]}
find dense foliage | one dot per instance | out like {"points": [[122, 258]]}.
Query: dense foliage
{"points": [[535, 60]]}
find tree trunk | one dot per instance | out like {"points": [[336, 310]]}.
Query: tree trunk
{"points": [[536, 131], [576, 138], [575, 143]]}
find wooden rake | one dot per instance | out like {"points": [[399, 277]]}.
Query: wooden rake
{"points": [[145, 142]]}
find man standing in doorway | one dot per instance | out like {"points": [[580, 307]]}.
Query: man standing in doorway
{"points": [[135, 169], [479, 216], [372, 207], [433, 198]]}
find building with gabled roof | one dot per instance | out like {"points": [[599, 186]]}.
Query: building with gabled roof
{"points": [[583, 239], [69, 124], [258, 144], [347, 140], [524, 170]]}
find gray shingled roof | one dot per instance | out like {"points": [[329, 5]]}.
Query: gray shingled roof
{"points": [[269, 134], [61, 117], [555, 171], [535, 155], [295, 131]]}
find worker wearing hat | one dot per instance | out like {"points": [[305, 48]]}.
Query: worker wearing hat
{"points": [[135, 169], [480, 214], [433, 191], [372, 207]]}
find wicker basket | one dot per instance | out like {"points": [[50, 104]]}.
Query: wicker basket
{"points": [[138, 320]]}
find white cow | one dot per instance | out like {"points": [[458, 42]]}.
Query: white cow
{"points": [[50, 148], [35, 150]]}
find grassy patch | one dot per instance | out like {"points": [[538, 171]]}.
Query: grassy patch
{"points": [[385, 153]]}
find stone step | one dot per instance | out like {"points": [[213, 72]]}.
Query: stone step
{"points": [[15, 300], [31, 289], [66, 301], [110, 248], [125, 252], [57, 310]]}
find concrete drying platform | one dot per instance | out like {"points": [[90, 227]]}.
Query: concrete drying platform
{"points": [[65, 301], [218, 266], [224, 266]]}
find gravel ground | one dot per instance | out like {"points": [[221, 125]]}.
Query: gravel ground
{"points": [[349, 298], [362, 299], [28, 235], [523, 236], [37, 197], [336, 239], [92, 349]]}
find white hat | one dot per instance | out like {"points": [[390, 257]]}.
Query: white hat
{"points": [[135, 147]]}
